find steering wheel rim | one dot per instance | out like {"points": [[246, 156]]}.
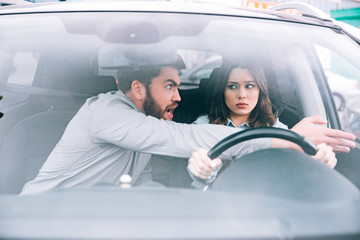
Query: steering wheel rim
{"points": [[262, 132]]}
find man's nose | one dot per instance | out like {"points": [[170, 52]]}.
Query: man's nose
{"points": [[176, 96]]}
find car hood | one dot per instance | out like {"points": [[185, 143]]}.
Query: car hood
{"points": [[160, 213]]}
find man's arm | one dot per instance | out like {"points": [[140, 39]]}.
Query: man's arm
{"points": [[121, 125]]}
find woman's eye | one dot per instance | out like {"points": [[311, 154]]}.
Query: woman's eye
{"points": [[231, 87], [250, 85]]}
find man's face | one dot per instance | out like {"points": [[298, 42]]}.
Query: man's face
{"points": [[162, 94]]}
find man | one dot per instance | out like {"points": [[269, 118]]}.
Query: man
{"points": [[115, 134]]}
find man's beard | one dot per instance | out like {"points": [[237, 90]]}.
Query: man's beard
{"points": [[151, 107]]}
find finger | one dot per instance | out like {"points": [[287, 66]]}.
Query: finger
{"points": [[333, 141], [215, 163], [321, 153], [331, 160], [334, 162], [315, 119], [201, 162], [335, 133], [202, 151], [198, 174], [200, 158], [328, 156], [200, 167], [199, 171], [337, 148]]}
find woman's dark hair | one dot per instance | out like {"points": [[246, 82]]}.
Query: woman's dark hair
{"points": [[261, 116]]}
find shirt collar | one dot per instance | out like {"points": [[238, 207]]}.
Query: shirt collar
{"points": [[231, 124], [127, 100]]}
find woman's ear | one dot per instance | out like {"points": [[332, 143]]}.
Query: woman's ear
{"points": [[138, 90]]}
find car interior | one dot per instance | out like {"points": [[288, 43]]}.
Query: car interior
{"points": [[36, 114], [57, 98]]}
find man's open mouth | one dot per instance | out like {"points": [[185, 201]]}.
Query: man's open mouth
{"points": [[170, 113]]}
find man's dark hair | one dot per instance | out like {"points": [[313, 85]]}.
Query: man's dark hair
{"points": [[143, 74]]}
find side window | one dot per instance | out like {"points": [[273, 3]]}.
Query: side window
{"points": [[18, 72], [24, 64], [199, 65], [344, 81]]}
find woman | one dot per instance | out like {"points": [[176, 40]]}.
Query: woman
{"points": [[241, 99]]}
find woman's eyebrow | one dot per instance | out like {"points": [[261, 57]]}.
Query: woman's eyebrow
{"points": [[233, 82]]}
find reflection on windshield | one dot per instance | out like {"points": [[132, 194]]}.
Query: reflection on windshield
{"points": [[50, 66]]}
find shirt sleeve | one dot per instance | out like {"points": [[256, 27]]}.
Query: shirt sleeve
{"points": [[204, 119], [119, 124]]}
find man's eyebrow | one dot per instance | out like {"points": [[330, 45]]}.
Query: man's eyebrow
{"points": [[172, 81]]}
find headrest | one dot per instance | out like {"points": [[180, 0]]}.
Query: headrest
{"points": [[206, 89]]}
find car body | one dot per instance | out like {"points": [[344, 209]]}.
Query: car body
{"points": [[53, 56]]}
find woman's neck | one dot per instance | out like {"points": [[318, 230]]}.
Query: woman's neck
{"points": [[238, 120]]}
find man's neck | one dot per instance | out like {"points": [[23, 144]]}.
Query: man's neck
{"points": [[138, 103]]}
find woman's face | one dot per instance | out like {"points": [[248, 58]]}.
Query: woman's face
{"points": [[241, 94]]}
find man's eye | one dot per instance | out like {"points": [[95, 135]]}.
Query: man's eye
{"points": [[169, 86]]}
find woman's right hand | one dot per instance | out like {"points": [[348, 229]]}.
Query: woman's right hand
{"points": [[326, 155], [202, 166]]}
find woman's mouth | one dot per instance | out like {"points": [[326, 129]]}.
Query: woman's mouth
{"points": [[242, 105]]}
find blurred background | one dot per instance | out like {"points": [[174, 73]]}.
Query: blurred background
{"points": [[347, 11]]}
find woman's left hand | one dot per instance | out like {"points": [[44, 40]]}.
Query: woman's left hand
{"points": [[326, 155]]}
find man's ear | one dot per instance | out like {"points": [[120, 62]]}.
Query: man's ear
{"points": [[138, 90]]}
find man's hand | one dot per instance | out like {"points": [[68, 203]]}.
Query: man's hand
{"points": [[340, 141], [326, 155], [201, 165]]}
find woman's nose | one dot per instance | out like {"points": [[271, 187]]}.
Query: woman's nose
{"points": [[241, 93]]}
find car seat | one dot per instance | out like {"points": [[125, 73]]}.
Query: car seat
{"points": [[61, 86]]}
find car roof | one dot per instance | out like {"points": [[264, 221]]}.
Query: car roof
{"points": [[157, 6]]}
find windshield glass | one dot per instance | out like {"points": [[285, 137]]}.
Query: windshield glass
{"points": [[51, 63], [109, 119]]}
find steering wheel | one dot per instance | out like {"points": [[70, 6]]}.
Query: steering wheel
{"points": [[280, 173], [262, 132]]}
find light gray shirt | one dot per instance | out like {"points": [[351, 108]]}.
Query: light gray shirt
{"points": [[109, 134]]}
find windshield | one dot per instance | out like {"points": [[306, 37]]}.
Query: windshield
{"points": [[60, 71]]}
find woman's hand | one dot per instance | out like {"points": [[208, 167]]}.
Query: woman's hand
{"points": [[202, 166], [326, 155]]}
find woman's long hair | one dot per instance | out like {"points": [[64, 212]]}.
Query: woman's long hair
{"points": [[261, 116]]}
